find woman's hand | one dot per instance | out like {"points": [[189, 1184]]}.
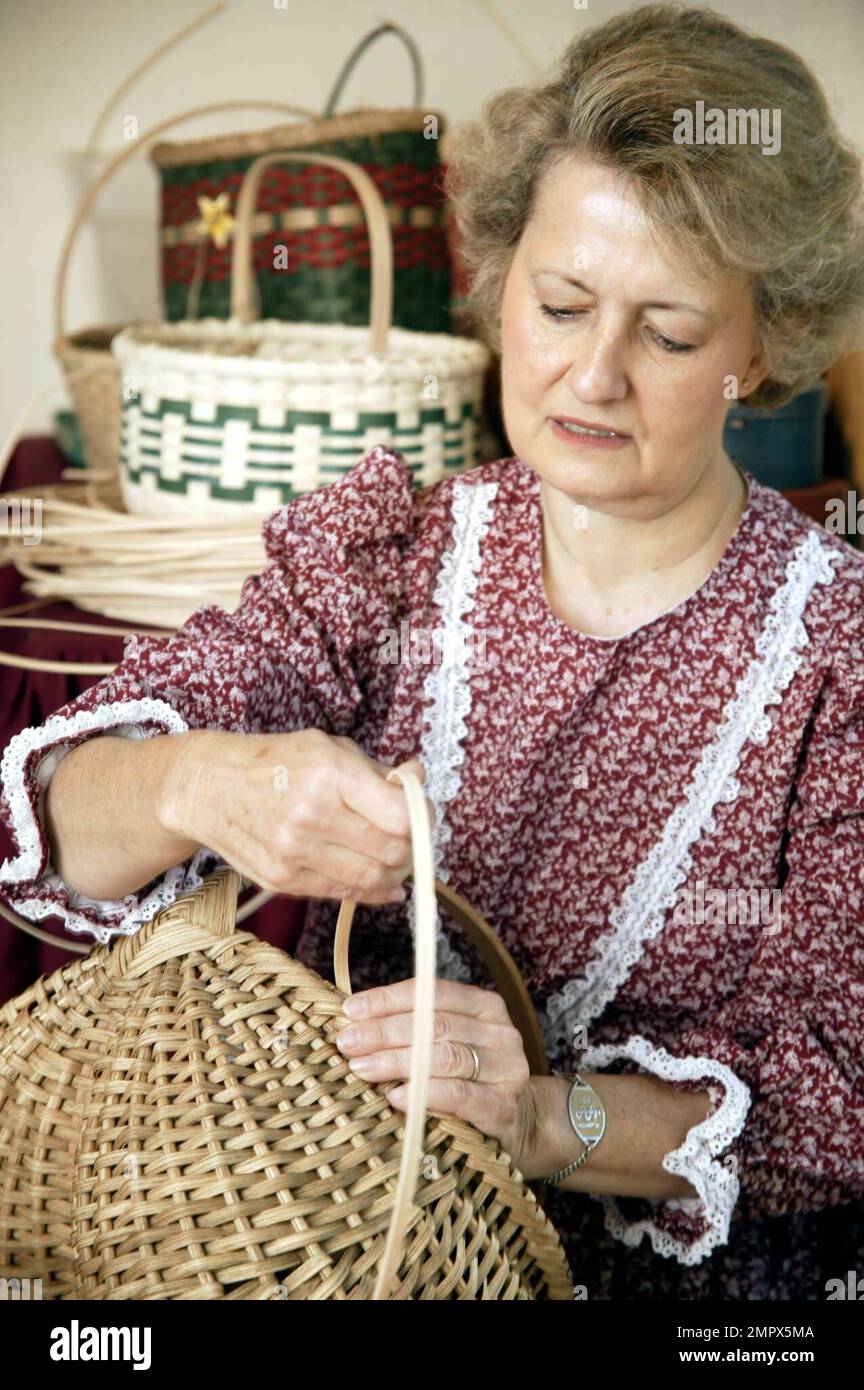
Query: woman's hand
{"points": [[305, 813], [498, 1103]]}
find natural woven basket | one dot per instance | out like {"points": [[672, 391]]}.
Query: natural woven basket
{"points": [[176, 1122]]}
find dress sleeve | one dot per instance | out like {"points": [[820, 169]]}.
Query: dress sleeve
{"points": [[783, 1058], [285, 660]]}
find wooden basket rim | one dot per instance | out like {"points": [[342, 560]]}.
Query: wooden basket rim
{"points": [[169, 154]]}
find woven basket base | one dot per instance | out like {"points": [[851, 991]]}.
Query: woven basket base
{"points": [[194, 1133]]}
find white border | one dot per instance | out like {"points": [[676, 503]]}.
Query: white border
{"points": [[128, 718], [448, 684], [696, 1160]]}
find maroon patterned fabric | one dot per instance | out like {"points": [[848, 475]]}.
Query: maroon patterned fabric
{"points": [[604, 802], [29, 697]]}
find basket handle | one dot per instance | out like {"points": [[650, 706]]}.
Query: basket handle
{"points": [[117, 161], [506, 976], [243, 306], [138, 71], [353, 57], [426, 918]]}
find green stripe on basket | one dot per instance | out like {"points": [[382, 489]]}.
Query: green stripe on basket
{"points": [[366, 419], [180, 487], [331, 294], [339, 449]]}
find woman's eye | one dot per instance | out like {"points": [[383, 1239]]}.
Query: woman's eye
{"points": [[559, 314], [668, 344]]}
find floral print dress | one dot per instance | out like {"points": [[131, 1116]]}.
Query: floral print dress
{"points": [[666, 828]]}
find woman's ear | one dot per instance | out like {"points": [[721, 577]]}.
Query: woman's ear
{"points": [[754, 375]]}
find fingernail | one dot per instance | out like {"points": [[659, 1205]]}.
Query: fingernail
{"points": [[347, 1038], [398, 1093], [354, 1006]]}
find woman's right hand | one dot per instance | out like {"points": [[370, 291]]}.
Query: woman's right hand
{"points": [[308, 813]]}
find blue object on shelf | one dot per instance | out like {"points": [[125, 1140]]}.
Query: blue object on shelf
{"points": [[783, 448], [67, 436]]}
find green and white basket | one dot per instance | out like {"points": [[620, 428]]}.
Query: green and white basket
{"points": [[227, 415]]}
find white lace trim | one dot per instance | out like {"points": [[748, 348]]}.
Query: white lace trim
{"points": [[716, 1182], [127, 717], [52, 732], [640, 916], [132, 914], [448, 685]]}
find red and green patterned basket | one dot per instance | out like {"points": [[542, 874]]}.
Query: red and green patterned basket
{"points": [[314, 215], [224, 416]]}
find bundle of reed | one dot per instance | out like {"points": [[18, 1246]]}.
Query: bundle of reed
{"points": [[153, 570]]}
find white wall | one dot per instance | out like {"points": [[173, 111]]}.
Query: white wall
{"points": [[61, 59]]}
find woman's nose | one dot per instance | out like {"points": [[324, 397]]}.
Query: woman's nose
{"points": [[598, 369]]}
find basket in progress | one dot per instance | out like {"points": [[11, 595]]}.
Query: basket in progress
{"points": [[240, 414], [176, 1122]]}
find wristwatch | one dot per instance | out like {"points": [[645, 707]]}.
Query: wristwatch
{"points": [[587, 1119]]}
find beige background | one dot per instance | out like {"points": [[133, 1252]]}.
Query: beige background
{"points": [[61, 59]]}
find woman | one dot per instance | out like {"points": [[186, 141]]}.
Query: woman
{"points": [[632, 676]]}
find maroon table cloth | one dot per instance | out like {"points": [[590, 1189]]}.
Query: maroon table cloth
{"points": [[28, 697]]}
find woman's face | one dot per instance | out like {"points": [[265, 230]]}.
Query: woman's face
{"points": [[635, 346]]}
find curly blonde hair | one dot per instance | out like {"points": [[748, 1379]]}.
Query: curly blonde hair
{"points": [[792, 221]]}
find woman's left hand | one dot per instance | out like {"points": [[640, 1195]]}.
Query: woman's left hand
{"points": [[500, 1102]]}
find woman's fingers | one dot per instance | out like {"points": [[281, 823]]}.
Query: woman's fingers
{"points": [[451, 1060], [311, 884], [450, 997], [364, 789], [379, 1048], [336, 875], [362, 876], [350, 831]]}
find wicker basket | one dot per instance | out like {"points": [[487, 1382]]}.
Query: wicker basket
{"points": [[317, 212], [176, 1122], [92, 374], [239, 414]]}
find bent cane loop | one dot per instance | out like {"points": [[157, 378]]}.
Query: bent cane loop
{"points": [[426, 920]]}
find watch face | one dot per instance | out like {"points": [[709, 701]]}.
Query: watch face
{"points": [[587, 1115]]}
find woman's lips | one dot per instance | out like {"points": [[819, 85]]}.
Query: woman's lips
{"points": [[581, 440]]}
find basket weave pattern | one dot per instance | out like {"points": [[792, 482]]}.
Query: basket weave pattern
{"points": [[326, 278], [177, 1122]]}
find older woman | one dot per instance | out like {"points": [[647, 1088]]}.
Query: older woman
{"points": [[644, 689]]}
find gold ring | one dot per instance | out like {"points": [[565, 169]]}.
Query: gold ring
{"points": [[476, 1073]]}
